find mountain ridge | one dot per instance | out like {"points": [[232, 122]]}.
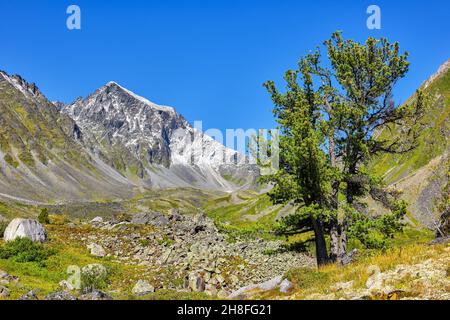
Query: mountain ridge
{"points": [[54, 151]]}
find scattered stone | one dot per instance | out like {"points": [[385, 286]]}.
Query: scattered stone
{"points": [[96, 295], [96, 250], [25, 228], [156, 219], [60, 295], [174, 215], [196, 282], [142, 288], [4, 292], [31, 295]]}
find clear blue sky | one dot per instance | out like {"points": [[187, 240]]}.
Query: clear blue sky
{"points": [[208, 59]]}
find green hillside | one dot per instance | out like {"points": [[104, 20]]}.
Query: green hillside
{"points": [[433, 141]]}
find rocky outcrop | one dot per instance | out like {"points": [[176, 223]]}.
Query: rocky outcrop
{"points": [[25, 228], [193, 249]]}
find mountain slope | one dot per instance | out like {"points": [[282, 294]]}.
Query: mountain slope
{"points": [[41, 157], [153, 145], [112, 144], [421, 174]]}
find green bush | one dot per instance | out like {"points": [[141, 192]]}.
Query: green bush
{"points": [[3, 226], [43, 216], [25, 250], [94, 277]]}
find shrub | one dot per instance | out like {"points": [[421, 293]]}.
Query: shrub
{"points": [[25, 250], [94, 277], [43, 216]]}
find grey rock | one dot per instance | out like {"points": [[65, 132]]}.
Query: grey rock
{"points": [[31, 295], [96, 250], [96, 295], [265, 286], [97, 220], [196, 282], [4, 292], [285, 286], [142, 287], [60, 295], [156, 219], [25, 228]]}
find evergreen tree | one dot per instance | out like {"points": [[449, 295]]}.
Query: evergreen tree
{"points": [[328, 118]]}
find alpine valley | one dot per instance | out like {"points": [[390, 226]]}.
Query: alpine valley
{"points": [[145, 206]]}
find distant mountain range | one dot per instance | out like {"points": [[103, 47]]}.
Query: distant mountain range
{"points": [[112, 143]]}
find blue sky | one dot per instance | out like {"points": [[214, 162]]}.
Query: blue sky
{"points": [[208, 59]]}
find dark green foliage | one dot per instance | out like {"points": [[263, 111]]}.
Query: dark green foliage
{"points": [[25, 250], [373, 232], [328, 117], [3, 226], [43, 216]]}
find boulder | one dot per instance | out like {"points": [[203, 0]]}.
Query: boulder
{"points": [[142, 288], [25, 228], [96, 250]]}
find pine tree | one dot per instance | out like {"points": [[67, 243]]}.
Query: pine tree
{"points": [[328, 118]]}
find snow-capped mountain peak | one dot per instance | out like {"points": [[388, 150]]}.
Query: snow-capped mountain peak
{"points": [[137, 136]]}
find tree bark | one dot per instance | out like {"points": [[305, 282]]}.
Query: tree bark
{"points": [[321, 247]]}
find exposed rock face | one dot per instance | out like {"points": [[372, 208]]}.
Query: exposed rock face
{"points": [[25, 228], [138, 137], [111, 144]]}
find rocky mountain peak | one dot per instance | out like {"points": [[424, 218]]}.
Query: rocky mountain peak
{"points": [[442, 69], [28, 89]]}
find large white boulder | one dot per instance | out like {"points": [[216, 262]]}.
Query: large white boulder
{"points": [[25, 228]]}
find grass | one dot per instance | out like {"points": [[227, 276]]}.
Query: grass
{"points": [[45, 278], [431, 142]]}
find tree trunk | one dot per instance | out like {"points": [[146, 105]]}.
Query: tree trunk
{"points": [[334, 241], [321, 247]]}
